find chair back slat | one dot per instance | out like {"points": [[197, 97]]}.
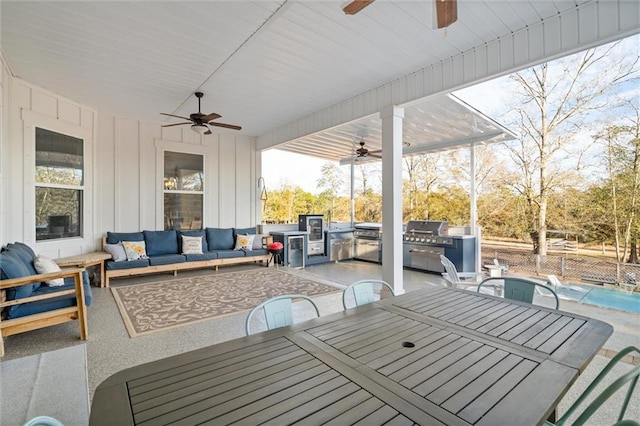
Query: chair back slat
{"points": [[278, 313], [363, 291], [518, 290]]}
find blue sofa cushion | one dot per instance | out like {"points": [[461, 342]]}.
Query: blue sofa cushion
{"points": [[243, 231], [198, 233], [207, 255], [167, 259], [140, 263], [11, 266], [51, 304], [220, 239], [26, 255], [258, 252], [227, 254], [116, 237], [161, 242]]}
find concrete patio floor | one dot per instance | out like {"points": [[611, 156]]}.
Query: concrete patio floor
{"points": [[110, 349]]}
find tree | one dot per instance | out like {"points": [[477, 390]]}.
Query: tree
{"points": [[330, 185], [555, 102], [422, 175], [622, 159]]}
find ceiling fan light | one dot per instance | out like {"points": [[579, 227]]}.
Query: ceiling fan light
{"points": [[199, 128]]}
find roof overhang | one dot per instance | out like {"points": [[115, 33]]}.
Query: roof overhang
{"points": [[438, 123]]}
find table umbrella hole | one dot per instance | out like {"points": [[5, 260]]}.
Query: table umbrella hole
{"points": [[408, 345]]}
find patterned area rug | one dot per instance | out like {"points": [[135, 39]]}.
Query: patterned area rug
{"points": [[147, 308]]}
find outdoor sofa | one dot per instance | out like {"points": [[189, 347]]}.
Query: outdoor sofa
{"points": [[28, 301], [165, 251]]}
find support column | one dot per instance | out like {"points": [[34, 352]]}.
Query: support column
{"points": [[473, 216], [392, 118]]}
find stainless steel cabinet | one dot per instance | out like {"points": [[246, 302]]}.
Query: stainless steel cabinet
{"points": [[340, 249]]}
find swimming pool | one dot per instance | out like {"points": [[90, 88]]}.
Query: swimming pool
{"points": [[602, 297]]}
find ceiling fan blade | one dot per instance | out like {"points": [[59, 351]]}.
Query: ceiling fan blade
{"points": [[210, 117], [375, 154], [446, 12], [225, 125], [356, 6], [177, 116], [176, 124]]}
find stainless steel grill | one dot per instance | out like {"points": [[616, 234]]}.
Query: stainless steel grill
{"points": [[427, 232], [424, 241], [368, 242]]}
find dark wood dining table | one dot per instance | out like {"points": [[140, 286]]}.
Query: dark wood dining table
{"points": [[433, 356]]}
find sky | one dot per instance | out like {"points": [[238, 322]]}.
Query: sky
{"points": [[285, 168]]}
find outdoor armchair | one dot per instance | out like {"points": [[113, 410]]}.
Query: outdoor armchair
{"points": [[363, 291], [278, 311], [457, 279]]}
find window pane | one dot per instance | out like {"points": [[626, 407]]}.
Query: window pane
{"points": [[183, 172], [59, 158], [58, 213], [182, 211]]}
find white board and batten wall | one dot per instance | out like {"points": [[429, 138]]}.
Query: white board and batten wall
{"points": [[123, 169]]}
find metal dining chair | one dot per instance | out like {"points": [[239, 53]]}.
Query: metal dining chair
{"points": [[630, 377], [520, 289], [43, 421], [278, 311], [363, 291]]}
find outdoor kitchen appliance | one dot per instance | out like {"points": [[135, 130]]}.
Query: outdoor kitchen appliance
{"points": [[368, 242], [424, 241], [314, 225]]}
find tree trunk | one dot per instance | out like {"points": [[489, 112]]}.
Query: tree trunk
{"points": [[633, 253]]}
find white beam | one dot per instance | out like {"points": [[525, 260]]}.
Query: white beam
{"points": [[392, 117]]}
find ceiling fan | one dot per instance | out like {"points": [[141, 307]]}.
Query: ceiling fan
{"points": [[363, 152], [200, 122], [446, 10]]}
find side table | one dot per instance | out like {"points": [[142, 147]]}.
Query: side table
{"points": [[85, 260]]}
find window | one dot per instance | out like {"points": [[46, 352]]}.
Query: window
{"points": [[59, 185], [183, 190]]}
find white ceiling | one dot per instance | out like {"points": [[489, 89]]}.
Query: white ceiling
{"points": [[261, 64]]}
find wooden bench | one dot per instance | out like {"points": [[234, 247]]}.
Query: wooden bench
{"points": [[48, 318]]}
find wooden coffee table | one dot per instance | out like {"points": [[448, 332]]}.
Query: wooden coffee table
{"points": [[86, 260]]}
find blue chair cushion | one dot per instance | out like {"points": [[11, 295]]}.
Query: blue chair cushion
{"points": [[208, 255], [198, 233], [228, 254], [51, 304], [140, 263], [167, 259], [161, 242], [26, 255], [258, 252], [116, 237], [11, 266], [220, 239]]}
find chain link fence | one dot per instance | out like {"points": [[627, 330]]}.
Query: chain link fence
{"points": [[581, 269]]}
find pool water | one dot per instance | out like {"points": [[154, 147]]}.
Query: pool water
{"points": [[602, 297]]}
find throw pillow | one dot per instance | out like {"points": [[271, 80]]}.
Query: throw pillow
{"points": [[45, 265], [257, 242], [191, 245], [244, 242], [116, 251], [135, 250]]}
